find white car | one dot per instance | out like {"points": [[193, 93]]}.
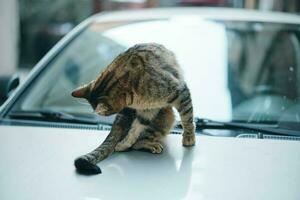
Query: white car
{"points": [[243, 69]]}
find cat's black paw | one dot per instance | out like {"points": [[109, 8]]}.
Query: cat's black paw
{"points": [[85, 167]]}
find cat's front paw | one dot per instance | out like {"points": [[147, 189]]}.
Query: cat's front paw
{"points": [[188, 140], [156, 148], [83, 166]]}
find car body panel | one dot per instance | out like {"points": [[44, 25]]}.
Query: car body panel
{"points": [[227, 14], [37, 163]]}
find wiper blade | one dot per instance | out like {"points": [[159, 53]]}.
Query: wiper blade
{"points": [[202, 124], [53, 115]]}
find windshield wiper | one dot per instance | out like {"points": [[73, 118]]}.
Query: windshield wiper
{"points": [[52, 115], [202, 124]]}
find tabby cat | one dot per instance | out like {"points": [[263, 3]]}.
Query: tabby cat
{"points": [[141, 85]]}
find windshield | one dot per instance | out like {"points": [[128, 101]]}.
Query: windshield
{"points": [[236, 71]]}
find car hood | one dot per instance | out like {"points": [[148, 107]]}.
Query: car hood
{"points": [[37, 163]]}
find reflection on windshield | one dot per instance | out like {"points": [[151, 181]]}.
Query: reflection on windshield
{"points": [[235, 70]]}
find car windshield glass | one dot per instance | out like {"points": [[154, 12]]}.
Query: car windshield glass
{"points": [[236, 71]]}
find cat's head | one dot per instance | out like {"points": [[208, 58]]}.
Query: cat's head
{"points": [[101, 103]]}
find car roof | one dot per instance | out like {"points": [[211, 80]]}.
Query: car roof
{"points": [[203, 12]]}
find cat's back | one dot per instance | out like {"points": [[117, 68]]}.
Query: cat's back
{"points": [[153, 53], [145, 57], [153, 56]]}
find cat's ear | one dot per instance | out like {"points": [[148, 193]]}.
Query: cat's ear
{"points": [[81, 92]]}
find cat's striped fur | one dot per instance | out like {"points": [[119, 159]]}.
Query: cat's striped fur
{"points": [[141, 85]]}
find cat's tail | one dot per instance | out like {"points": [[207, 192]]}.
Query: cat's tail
{"points": [[86, 164]]}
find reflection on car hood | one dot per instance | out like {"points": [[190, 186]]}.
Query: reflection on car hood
{"points": [[37, 163]]}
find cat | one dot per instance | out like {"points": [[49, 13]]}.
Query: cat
{"points": [[141, 85]]}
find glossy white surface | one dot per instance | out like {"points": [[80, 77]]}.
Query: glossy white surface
{"points": [[37, 163]]}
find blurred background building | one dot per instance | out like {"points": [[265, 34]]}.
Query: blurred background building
{"points": [[29, 28]]}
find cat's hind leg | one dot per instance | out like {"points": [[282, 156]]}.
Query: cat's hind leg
{"points": [[86, 164], [140, 125], [150, 139], [134, 133]]}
